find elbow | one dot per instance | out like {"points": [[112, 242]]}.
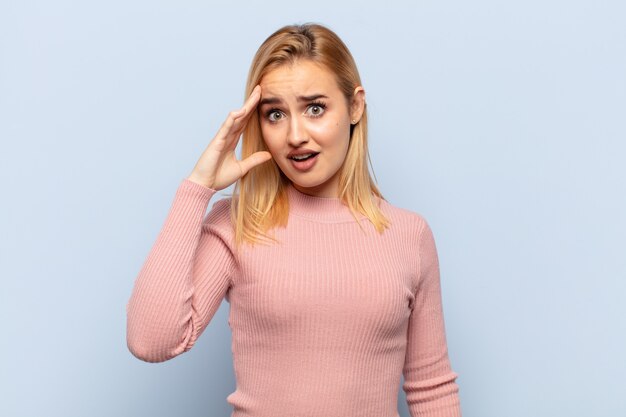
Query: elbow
{"points": [[152, 340], [440, 390], [152, 348], [145, 351]]}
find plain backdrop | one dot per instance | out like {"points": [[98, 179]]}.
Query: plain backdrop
{"points": [[503, 123]]}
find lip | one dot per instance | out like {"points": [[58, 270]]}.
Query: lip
{"points": [[304, 166], [301, 151]]}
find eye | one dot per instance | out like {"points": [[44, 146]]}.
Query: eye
{"points": [[274, 115], [316, 109]]}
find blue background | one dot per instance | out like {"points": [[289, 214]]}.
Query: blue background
{"points": [[503, 123]]}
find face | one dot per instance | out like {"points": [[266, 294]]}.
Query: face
{"points": [[302, 110]]}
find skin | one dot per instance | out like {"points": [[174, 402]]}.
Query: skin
{"points": [[218, 166], [289, 122]]}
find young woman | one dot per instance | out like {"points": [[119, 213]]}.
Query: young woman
{"points": [[334, 293]]}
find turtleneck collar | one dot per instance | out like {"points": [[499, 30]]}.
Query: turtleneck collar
{"points": [[322, 209]]}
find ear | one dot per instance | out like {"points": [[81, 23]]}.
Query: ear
{"points": [[357, 106]]}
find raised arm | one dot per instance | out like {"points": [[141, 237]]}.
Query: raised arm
{"points": [[191, 264], [429, 382]]}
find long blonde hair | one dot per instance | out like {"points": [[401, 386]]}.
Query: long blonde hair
{"points": [[260, 202]]}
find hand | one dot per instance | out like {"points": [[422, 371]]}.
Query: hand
{"points": [[218, 166]]}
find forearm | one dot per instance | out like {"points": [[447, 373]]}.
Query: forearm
{"points": [[159, 312]]}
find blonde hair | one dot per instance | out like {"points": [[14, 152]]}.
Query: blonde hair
{"points": [[260, 200]]}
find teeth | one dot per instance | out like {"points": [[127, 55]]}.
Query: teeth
{"points": [[299, 157]]}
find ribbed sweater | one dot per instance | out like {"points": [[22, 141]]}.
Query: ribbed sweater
{"points": [[323, 324]]}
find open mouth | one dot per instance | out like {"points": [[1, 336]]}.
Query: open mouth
{"points": [[303, 157], [304, 162]]}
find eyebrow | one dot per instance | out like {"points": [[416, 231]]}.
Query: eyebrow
{"points": [[276, 100]]}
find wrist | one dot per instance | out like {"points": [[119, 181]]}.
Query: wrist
{"points": [[198, 180]]}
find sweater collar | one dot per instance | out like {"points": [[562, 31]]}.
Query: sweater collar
{"points": [[323, 209]]}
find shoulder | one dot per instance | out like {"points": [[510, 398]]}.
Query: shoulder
{"points": [[219, 208], [218, 217], [411, 227], [411, 220]]}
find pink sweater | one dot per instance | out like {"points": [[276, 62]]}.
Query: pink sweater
{"points": [[323, 324]]}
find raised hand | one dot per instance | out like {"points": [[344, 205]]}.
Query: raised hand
{"points": [[218, 166]]}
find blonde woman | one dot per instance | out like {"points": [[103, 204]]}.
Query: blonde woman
{"points": [[334, 293]]}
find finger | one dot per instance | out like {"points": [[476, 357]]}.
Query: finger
{"points": [[253, 160], [236, 120], [243, 115], [251, 102], [254, 97], [227, 125], [241, 122]]}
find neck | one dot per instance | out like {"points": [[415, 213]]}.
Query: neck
{"points": [[323, 209]]}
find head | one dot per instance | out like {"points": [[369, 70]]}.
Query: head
{"points": [[311, 98], [311, 62], [303, 111]]}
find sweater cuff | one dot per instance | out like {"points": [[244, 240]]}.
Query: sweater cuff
{"points": [[200, 191]]}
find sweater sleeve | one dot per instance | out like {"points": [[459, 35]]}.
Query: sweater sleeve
{"points": [[429, 382], [182, 282]]}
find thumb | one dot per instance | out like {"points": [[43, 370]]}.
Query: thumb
{"points": [[253, 160]]}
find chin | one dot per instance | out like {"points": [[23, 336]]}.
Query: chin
{"points": [[311, 183]]}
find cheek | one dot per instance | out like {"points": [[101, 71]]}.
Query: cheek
{"points": [[330, 132], [269, 137]]}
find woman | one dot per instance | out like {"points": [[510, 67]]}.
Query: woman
{"points": [[334, 293]]}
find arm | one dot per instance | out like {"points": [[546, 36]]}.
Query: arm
{"points": [[429, 382], [184, 278]]}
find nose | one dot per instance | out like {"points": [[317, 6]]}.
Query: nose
{"points": [[297, 134]]}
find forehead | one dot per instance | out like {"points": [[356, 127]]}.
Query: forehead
{"points": [[304, 77]]}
